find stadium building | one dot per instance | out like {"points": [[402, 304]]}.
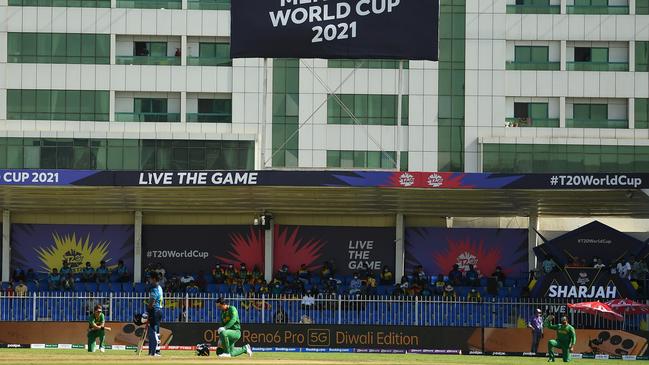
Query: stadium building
{"points": [[520, 87]]}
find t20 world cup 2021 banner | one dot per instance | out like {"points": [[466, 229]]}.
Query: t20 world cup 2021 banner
{"points": [[438, 249], [43, 247], [192, 248], [350, 248], [392, 29]]}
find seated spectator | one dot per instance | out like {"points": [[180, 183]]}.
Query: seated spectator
{"points": [[426, 292], [185, 280], [305, 319], [230, 275], [440, 283], [88, 274], [276, 288], [282, 274], [624, 269], [200, 281], [21, 289], [18, 275], [472, 277], [102, 273], [455, 275], [599, 264], [218, 275], [548, 265], [280, 316], [257, 276], [54, 280], [355, 285], [192, 288], [449, 293], [65, 269], [474, 296], [387, 278], [31, 277], [419, 276], [404, 283], [244, 274], [263, 288], [10, 290], [308, 301], [325, 272], [67, 282], [499, 275], [174, 285], [639, 269], [370, 284], [397, 291], [237, 288], [303, 274], [123, 276]]}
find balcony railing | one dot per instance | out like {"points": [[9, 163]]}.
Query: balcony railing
{"points": [[209, 118], [533, 9], [208, 61], [147, 60], [148, 117], [597, 66], [532, 122], [597, 9], [150, 4], [533, 66], [597, 123], [208, 4]]}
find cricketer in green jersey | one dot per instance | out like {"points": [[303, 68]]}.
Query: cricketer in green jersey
{"points": [[96, 329], [230, 330], [566, 338]]}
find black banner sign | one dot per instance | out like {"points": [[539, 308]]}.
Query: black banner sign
{"points": [[391, 29], [583, 283]]}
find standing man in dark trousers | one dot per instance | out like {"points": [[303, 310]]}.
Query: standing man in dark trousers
{"points": [[154, 310], [536, 325]]}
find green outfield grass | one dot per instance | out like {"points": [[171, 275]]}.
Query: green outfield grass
{"points": [[33, 356]]}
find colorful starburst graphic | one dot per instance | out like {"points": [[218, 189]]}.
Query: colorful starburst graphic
{"points": [[293, 250], [76, 251], [248, 249], [467, 252]]}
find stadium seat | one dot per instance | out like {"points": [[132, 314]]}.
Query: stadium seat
{"points": [[212, 288], [139, 288], [91, 287]]}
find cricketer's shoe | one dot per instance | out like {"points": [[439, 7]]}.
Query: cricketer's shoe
{"points": [[248, 350], [101, 349]]}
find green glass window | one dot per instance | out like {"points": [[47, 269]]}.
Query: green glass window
{"points": [[528, 158], [642, 7], [642, 56], [642, 113], [115, 154], [150, 4], [371, 64], [58, 48], [57, 105], [531, 54], [212, 54], [364, 159], [590, 111], [208, 4], [212, 111], [367, 109], [285, 128], [62, 3]]}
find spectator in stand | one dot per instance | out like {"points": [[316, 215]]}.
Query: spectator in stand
{"points": [[54, 280], [174, 285], [474, 296], [308, 301], [599, 263], [276, 288], [397, 291], [548, 265], [218, 275], [624, 269], [387, 278], [419, 276], [185, 280], [499, 275], [88, 274], [638, 269], [21, 289], [230, 275], [257, 276], [305, 319], [10, 290], [103, 274], [449, 293], [18, 275], [263, 288], [355, 285], [370, 284], [455, 275], [282, 274], [30, 277], [472, 277], [244, 274], [200, 281], [426, 292], [325, 272], [123, 276], [303, 274], [192, 288], [65, 269], [67, 282], [440, 283]]}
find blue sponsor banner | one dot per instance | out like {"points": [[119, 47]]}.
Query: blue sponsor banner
{"points": [[376, 179]]}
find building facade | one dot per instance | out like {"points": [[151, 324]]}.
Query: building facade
{"points": [[520, 86]]}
